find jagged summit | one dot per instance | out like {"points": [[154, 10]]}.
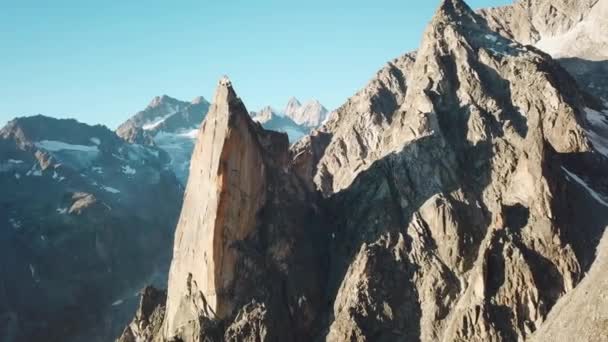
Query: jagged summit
{"points": [[458, 196], [235, 173], [198, 100], [224, 93], [454, 9], [293, 104], [162, 100]]}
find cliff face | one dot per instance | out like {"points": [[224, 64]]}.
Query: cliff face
{"points": [[457, 197], [220, 207]]}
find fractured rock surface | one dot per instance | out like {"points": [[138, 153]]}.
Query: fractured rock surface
{"points": [[460, 196]]}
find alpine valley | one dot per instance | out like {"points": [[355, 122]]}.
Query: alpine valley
{"points": [[461, 195]]}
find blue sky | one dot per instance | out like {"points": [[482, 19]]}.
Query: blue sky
{"points": [[102, 61]]}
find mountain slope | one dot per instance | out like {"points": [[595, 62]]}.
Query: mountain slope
{"points": [[457, 197], [169, 124], [582, 315], [569, 30], [80, 228], [461, 194]]}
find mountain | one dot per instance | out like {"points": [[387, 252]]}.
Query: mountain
{"points": [[172, 126], [312, 114], [569, 30], [460, 196], [81, 229], [274, 121], [220, 255], [169, 124]]}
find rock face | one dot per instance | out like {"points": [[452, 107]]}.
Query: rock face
{"points": [[463, 195], [171, 125], [460, 196], [81, 228], [572, 31]]}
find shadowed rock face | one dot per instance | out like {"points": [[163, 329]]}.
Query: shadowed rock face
{"points": [[81, 228], [244, 242], [457, 197]]}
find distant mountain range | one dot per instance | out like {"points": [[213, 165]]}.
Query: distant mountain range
{"points": [[172, 125], [81, 227]]}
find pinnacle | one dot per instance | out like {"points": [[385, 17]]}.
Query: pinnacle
{"points": [[224, 92], [455, 10]]}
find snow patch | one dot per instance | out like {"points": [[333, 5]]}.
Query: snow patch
{"points": [[110, 189], [117, 303], [97, 169], [10, 165], [491, 38], [16, 224], [592, 192], [34, 172], [17, 176], [56, 146], [158, 121], [95, 141], [128, 170], [62, 211]]}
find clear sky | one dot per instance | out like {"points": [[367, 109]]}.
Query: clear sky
{"points": [[102, 61]]}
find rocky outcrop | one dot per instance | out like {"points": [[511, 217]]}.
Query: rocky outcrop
{"points": [[582, 315], [529, 21], [148, 318], [166, 114], [569, 30], [81, 228], [245, 265]]}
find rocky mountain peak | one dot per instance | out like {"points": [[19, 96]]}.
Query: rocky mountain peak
{"points": [[199, 100], [226, 167], [311, 114], [161, 100], [292, 106], [264, 115], [455, 9]]}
